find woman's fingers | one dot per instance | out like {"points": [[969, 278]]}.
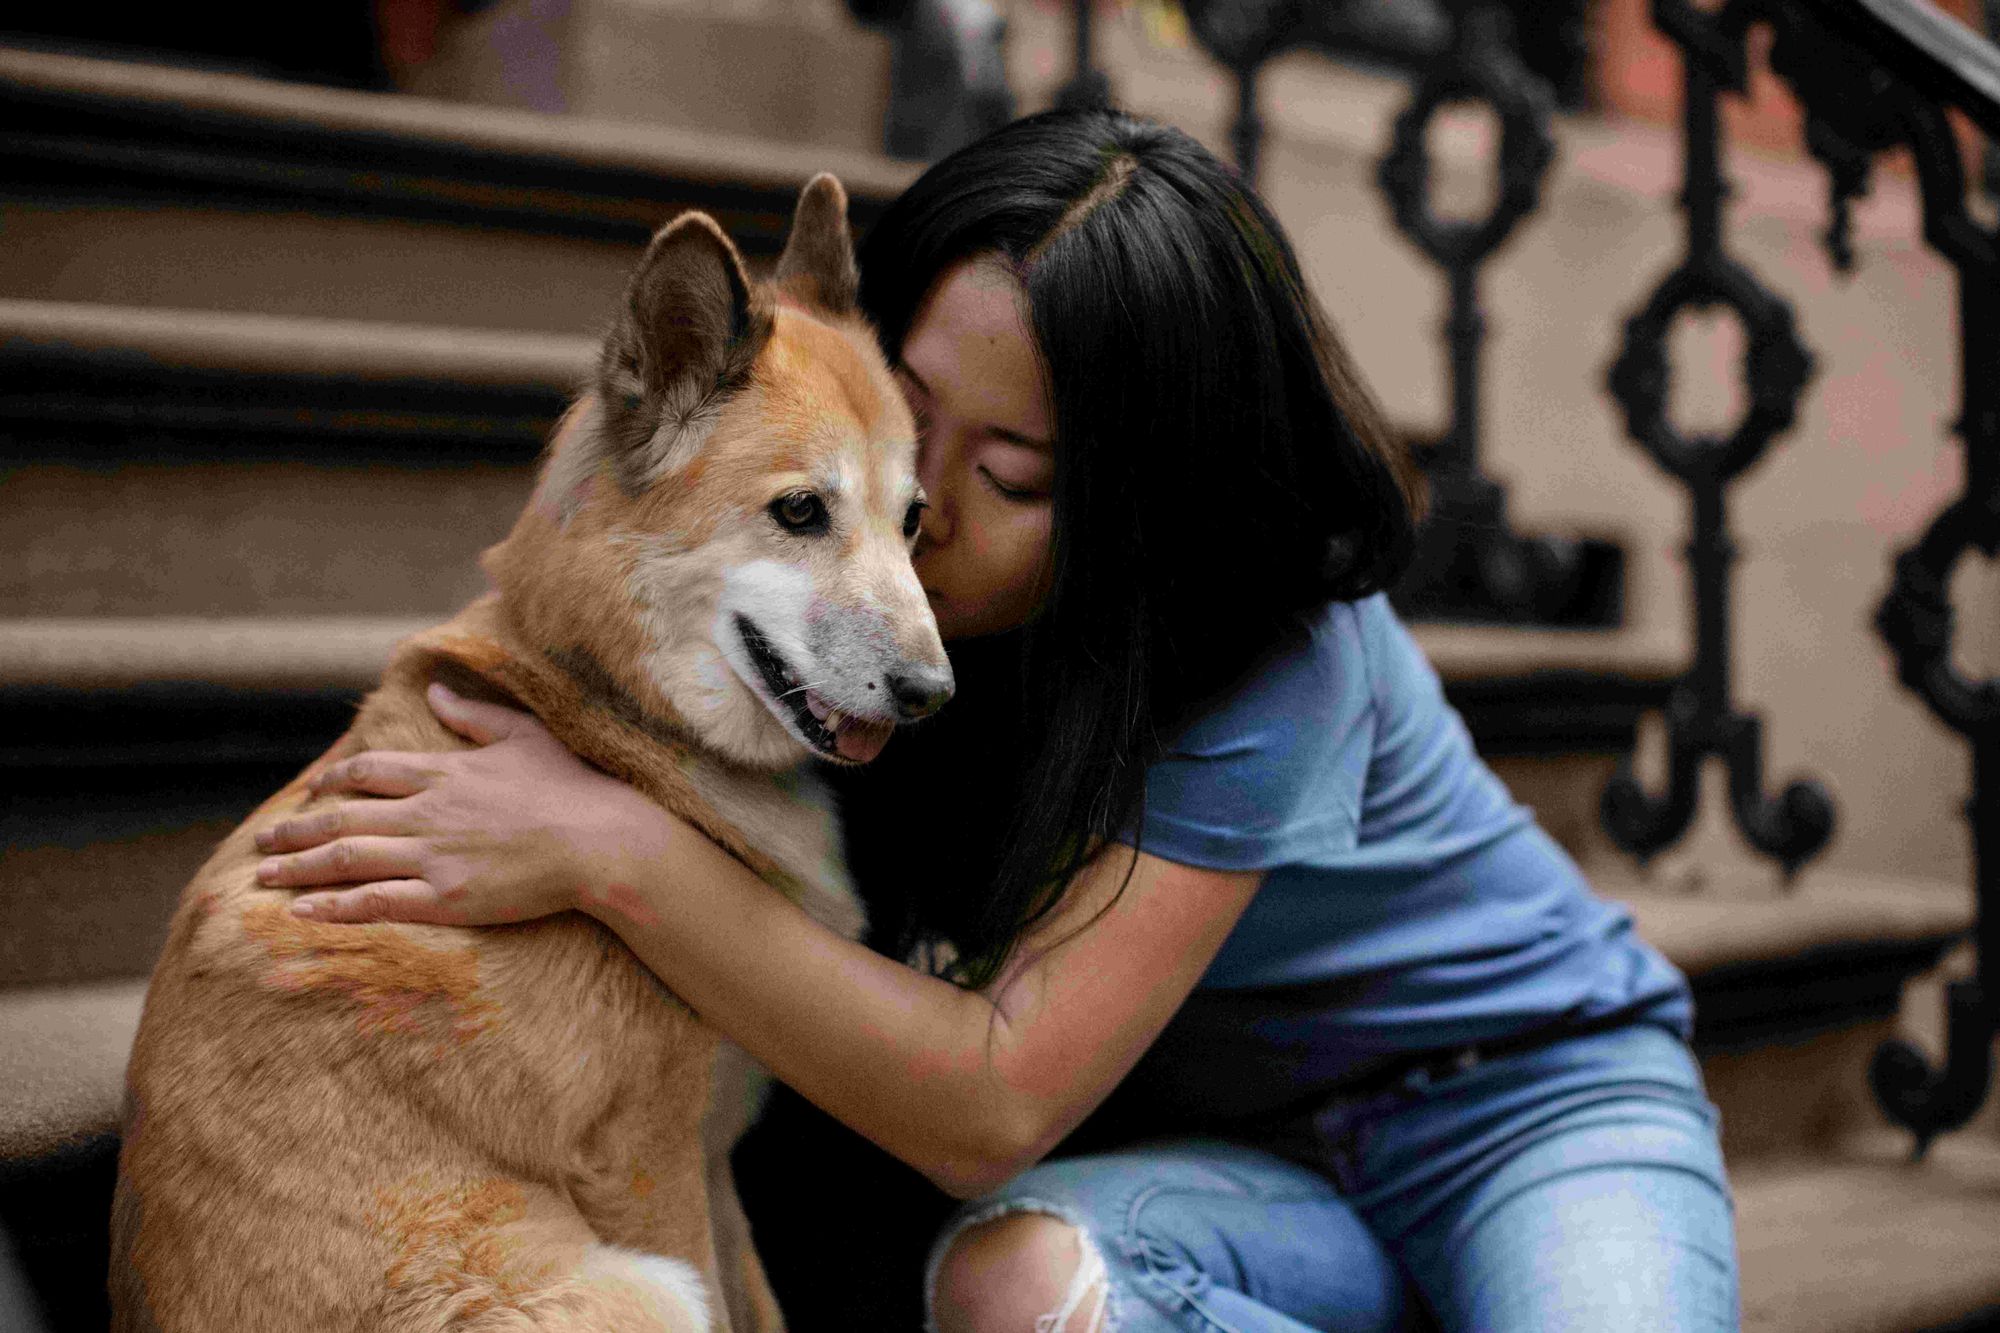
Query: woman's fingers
{"points": [[344, 861], [480, 722], [390, 900], [393, 818], [380, 773]]}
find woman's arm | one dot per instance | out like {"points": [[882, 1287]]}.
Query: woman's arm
{"points": [[968, 1087]]}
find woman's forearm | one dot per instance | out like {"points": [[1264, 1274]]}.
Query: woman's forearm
{"points": [[902, 1058]]}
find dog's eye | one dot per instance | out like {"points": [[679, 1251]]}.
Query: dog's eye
{"points": [[913, 517], [801, 511]]}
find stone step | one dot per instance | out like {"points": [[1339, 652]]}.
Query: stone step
{"points": [[195, 462], [1794, 992], [797, 71], [1864, 1240], [132, 747], [154, 186], [135, 742], [62, 1084], [161, 463], [60, 340], [338, 653]]}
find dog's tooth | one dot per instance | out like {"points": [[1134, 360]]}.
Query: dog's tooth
{"points": [[833, 719]]}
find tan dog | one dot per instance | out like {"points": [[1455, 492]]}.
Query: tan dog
{"points": [[397, 1128]]}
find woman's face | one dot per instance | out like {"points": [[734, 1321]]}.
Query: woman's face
{"points": [[985, 452]]}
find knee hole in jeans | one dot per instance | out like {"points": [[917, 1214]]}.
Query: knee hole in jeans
{"points": [[1021, 1273]]}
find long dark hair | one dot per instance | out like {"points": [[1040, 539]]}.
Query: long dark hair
{"points": [[1220, 472]]}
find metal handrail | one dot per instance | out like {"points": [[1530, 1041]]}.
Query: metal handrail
{"points": [[1919, 40]]}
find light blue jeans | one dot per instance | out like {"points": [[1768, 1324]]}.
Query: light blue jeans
{"points": [[1576, 1186]]}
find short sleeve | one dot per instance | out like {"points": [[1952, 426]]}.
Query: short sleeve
{"points": [[1273, 775]]}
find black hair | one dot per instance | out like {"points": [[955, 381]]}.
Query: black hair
{"points": [[1220, 473]]}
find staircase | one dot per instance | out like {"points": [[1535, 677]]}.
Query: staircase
{"points": [[274, 366]]}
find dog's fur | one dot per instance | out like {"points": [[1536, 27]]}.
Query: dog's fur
{"points": [[397, 1128]]}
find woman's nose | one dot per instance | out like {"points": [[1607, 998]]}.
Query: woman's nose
{"points": [[933, 526]]}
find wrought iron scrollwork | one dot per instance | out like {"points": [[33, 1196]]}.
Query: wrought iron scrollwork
{"points": [[1848, 120], [1088, 85], [1917, 621], [1552, 38], [1989, 175], [1242, 35], [1479, 68], [1701, 719], [1471, 564], [1872, 75]]}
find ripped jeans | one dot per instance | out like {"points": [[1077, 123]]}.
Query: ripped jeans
{"points": [[1576, 1186]]}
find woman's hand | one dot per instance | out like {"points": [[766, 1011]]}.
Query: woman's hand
{"points": [[515, 829]]}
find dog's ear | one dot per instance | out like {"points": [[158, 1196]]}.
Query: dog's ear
{"points": [[817, 267], [691, 327]]}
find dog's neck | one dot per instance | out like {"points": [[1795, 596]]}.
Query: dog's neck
{"points": [[598, 691], [754, 816]]}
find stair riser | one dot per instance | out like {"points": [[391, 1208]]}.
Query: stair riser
{"points": [[98, 912], [780, 73], [261, 538], [297, 264], [1796, 1098]]}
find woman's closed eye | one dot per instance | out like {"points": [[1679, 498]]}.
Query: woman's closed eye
{"points": [[1021, 494], [1014, 471]]}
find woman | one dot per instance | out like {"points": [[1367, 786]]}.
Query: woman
{"points": [[1199, 800]]}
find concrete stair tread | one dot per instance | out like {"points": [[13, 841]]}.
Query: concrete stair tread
{"points": [[246, 652], [1718, 929], [164, 187], [1867, 1241], [1768, 972], [349, 650], [1469, 652], [179, 94], [187, 462], [249, 344], [62, 1064]]}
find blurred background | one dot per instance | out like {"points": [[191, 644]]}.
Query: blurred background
{"points": [[288, 299]]}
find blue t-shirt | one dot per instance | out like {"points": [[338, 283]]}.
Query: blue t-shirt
{"points": [[1408, 903]]}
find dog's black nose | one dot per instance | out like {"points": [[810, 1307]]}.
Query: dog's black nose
{"points": [[920, 692]]}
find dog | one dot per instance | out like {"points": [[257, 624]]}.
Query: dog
{"points": [[397, 1127]]}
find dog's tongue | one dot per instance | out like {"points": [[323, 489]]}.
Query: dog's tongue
{"points": [[853, 738], [861, 741]]}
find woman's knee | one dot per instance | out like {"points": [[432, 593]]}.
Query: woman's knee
{"points": [[1020, 1273]]}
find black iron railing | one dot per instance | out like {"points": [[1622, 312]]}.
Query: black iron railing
{"points": [[1875, 75], [1872, 76], [1701, 718], [1472, 565]]}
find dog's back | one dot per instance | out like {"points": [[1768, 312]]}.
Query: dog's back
{"points": [[448, 1119]]}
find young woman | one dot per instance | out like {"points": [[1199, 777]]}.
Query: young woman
{"points": [[1199, 800]]}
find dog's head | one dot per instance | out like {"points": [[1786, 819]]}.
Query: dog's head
{"points": [[723, 525]]}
